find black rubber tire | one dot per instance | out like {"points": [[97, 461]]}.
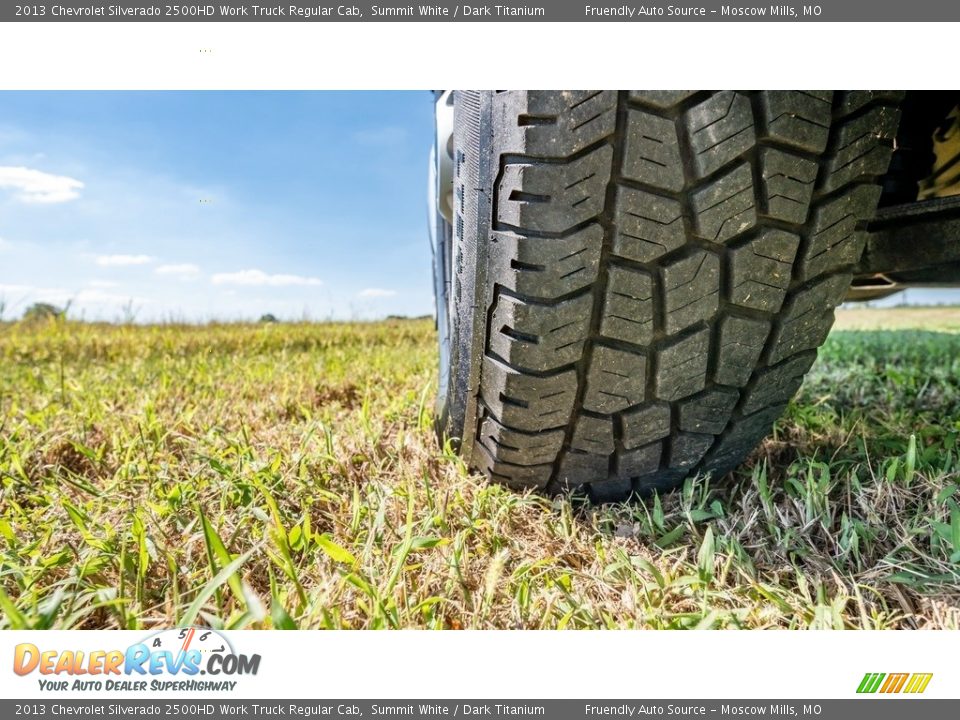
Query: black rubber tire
{"points": [[640, 280]]}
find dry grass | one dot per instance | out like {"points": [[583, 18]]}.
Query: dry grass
{"points": [[859, 317], [287, 476]]}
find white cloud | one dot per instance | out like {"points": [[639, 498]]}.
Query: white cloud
{"points": [[259, 277], [36, 186], [32, 293], [89, 297], [123, 260], [5, 244], [99, 297], [376, 293], [184, 271], [102, 284], [388, 135]]}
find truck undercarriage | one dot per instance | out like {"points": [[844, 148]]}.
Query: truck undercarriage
{"points": [[914, 240]]}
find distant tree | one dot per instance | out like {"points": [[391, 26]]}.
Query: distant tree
{"points": [[268, 318], [409, 317], [43, 311]]}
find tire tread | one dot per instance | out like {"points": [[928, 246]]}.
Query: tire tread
{"points": [[663, 267]]}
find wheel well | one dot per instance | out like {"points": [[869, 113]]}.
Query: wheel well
{"points": [[923, 112]]}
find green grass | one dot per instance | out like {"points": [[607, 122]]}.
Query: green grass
{"points": [[287, 476]]}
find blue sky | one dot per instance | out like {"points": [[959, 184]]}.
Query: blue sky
{"points": [[221, 205], [215, 205]]}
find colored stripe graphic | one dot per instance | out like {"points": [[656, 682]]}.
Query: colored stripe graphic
{"points": [[870, 682], [894, 683], [918, 682]]}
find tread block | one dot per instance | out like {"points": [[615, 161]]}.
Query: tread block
{"points": [[760, 270], [740, 343], [686, 449], [616, 380], [682, 368], [726, 207], [551, 123], [707, 412], [834, 238], [540, 337], [517, 447], [807, 317], [853, 100], [547, 267], [643, 425], [628, 306], [662, 99], [553, 197], [720, 130], [663, 481], [593, 434], [742, 437], [527, 402], [691, 287], [652, 151], [776, 385], [640, 461], [577, 468], [518, 476], [647, 225], [858, 151], [798, 118], [787, 184]]}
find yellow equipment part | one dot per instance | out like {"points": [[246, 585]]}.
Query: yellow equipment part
{"points": [[944, 180]]}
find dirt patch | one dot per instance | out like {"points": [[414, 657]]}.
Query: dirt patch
{"points": [[66, 455], [346, 395]]}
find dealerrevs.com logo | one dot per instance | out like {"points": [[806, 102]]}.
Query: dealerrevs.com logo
{"points": [[168, 660]]}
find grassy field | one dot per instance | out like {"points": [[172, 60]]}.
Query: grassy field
{"points": [[287, 476], [858, 317]]}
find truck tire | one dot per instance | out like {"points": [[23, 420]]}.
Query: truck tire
{"points": [[639, 280]]}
